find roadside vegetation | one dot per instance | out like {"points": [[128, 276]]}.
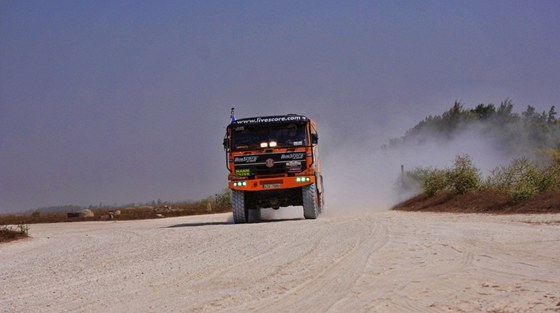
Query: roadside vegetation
{"points": [[10, 233], [520, 180], [16, 226], [530, 183], [522, 186]]}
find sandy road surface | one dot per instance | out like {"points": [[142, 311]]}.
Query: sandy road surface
{"points": [[368, 262]]}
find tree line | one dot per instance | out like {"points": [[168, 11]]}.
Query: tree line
{"points": [[509, 130]]}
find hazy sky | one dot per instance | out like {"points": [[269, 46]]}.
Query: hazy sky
{"points": [[127, 101]]}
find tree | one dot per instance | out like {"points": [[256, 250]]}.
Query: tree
{"points": [[454, 113], [551, 115], [452, 118], [484, 112], [529, 114], [504, 112], [511, 132]]}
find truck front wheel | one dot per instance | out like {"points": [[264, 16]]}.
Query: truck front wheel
{"points": [[240, 212], [310, 201]]}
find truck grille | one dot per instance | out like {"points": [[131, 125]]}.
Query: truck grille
{"points": [[282, 163]]}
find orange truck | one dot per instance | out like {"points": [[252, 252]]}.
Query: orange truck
{"points": [[273, 162]]}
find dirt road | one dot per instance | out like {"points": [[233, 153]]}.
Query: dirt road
{"points": [[368, 262]]}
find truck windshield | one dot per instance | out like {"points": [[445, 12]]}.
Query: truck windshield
{"points": [[258, 136]]}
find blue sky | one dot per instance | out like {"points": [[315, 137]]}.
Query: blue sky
{"points": [[127, 101]]}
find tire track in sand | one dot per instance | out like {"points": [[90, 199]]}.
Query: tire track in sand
{"points": [[336, 280]]}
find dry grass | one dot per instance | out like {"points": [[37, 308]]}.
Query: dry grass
{"points": [[9, 233], [130, 213]]}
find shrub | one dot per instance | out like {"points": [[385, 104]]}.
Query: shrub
{"points": [[223, 199], [431, 180], [464, 176], [550, 178], [412, 180], [521, 179], [436, 181], [8, 233], [36, 213], [460, 179], [23, 229]]}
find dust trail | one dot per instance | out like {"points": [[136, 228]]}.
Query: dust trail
{"points": [[361, 176]]}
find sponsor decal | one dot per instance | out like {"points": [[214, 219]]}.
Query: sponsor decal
{"points": [[294, 166], [271, 119], [293, 163], [249, 165], [243, 172], [292, 156], [245, 159], [294, 169]]}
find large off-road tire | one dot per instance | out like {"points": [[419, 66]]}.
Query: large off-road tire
{"points": [[240, 212], [310, 201]]}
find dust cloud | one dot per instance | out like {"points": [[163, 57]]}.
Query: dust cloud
{"points": [[362, 172], [360, 175]]}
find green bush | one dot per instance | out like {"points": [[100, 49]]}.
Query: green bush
{"points": [[522, 179], [413, 180], [223, 199], [550, 178], [460, 179], [431, 180], [464, 176], [436, 181]]}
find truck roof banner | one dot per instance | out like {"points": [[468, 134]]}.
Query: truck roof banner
{"points": [[271, 119]]}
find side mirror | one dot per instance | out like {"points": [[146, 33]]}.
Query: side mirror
{"points": [[314, 139], [225, 143]]}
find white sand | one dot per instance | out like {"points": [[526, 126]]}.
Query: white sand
{"points": [[367, 262]]}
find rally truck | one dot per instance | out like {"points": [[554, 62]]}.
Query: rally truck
{"points": [[273, 162]]}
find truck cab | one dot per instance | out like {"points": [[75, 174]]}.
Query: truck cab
{"points": [[273, 162]]}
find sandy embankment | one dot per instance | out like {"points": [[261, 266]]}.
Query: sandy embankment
{"points": [[370, 262]]}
